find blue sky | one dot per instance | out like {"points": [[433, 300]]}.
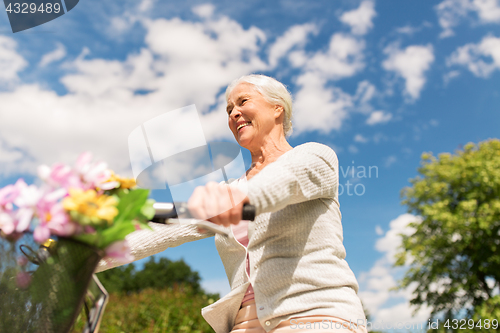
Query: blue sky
{"points": [[378, 81]]}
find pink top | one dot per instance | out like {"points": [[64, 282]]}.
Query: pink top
{"points": [[240, 232]]}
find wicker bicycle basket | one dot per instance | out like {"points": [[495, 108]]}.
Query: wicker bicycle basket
{"points": [[42, 289]]}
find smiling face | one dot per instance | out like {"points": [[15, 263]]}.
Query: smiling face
{"points": [[251, 117]]}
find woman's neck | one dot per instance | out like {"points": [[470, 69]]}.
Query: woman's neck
{"points": [[269, 152]]}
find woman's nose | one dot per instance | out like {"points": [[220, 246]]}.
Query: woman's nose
{"points": [[235, 114]]}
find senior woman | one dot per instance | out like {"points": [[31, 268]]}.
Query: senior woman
{"points": [[286, 269]]}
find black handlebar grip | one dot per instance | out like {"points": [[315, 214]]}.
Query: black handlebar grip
{"points": [[248, 213], [165, 211]]}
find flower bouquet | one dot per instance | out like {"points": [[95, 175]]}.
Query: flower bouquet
{"points": [[53, 236]]}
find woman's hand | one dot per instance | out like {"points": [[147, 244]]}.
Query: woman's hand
{"points": [[218, 203]]}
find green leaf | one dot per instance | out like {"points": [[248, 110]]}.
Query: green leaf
{"points": [[130, 205], [91, 239], [148, 210], [115, 233]]}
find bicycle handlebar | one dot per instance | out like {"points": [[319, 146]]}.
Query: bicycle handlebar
{"points": [[169, 210]]}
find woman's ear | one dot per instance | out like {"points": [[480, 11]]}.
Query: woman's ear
{"points": [[278, 110]]}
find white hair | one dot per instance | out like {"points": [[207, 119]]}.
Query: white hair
{"points": [[273, 91]]}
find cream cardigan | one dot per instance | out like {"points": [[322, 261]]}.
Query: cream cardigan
{"points": [[297, 265]]}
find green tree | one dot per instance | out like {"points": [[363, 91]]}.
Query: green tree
{"points": [[454, 252], [118, 279], [165, 272], [155, 274]]}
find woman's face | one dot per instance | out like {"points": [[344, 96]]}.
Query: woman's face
{"points": [[251, 116]]}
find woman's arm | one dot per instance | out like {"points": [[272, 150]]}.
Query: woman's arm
{"points": [[145, 243], [307, 172]]}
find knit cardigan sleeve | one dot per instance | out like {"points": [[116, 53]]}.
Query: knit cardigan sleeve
{"points": [[145, 243], [307, 172]]}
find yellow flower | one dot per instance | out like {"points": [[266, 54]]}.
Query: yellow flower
{"points": [[90, 204], [124, 182]]}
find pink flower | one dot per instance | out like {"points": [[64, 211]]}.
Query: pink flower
{"points": [[7, 222], [27, 200], [9, 193], [53, 219], [43, 203], [41, 233], [92, 174], [82, 164], [85, 174], [22, 261], [120, 251], [60, 175], [60, 223], [23, 280], [88, 229]]}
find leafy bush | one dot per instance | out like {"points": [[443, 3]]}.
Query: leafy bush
{"points": [[173, 309], [165, 296]]}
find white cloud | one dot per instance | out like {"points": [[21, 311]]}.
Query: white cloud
{"points": [[344, 58], [390, 243], [378, 117], [205, 10], [405, 316], [434, 122], [451, 12], [56, 55], [383, 304], [119, 25], [146, 5], [450, 76], [481, 59], [318, 107], [164, 67], [181, 63], [181, 41], [390, 160], [411, 30], [360, 19], [295, 36], [108, 99], [378, 230], [407, 30], [411, 64], [318, 104], [11, 159], [365, 92], [373, 294], [11, 62], [360, 138], [122, 21], [353, 149], [297, 58], [488, 10], [60, 127]]}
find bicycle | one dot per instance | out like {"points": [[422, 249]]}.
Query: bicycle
{"points": [[95, 296]]}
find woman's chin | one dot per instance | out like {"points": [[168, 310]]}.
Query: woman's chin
{"points": [[244, 140], [242, 143]]}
